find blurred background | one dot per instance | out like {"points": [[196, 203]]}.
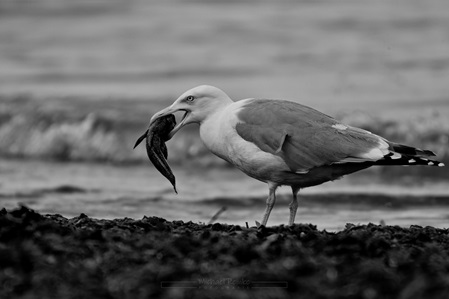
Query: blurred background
{"points": [[80, 79]]}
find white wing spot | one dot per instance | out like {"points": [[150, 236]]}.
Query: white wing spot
{"points": [[430, 163], [373, 155], [339, 127], [411, 161], [441, 164], [396, 156]]}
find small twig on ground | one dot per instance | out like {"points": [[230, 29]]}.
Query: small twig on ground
{"points": [[215, 217]]}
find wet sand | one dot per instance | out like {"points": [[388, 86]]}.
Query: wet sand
{"points": [[101, 191]]}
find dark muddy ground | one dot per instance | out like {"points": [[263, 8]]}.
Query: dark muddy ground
{"points": [[49, 256]]}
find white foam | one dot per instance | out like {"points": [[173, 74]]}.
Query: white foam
{"points": [[411, 161], [441, 164], [430, 163]]}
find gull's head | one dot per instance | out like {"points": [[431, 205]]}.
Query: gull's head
{"points": [[197, 104]]}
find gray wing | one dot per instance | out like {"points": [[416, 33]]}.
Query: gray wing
{"points": [[305, 138]]}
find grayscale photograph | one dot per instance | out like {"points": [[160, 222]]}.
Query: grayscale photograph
{"points": [[224, 149]]}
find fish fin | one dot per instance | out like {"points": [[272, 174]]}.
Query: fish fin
{"points": [[140, 139]]}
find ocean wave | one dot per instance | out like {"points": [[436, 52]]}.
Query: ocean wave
{"points": [[94, 137], [41, 133], [36, 137]]}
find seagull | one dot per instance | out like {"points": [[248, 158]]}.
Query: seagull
{"points": [[281, 142]]}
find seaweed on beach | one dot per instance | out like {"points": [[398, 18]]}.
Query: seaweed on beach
{"points": [[50, 256]]}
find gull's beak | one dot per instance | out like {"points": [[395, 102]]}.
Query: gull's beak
{"points": [[170, 110]]}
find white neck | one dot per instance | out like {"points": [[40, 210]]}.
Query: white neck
{"points": [[217, 129]]}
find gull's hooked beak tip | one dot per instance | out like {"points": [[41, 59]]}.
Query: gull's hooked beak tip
{"points": [[162, 113], [159, 114]]}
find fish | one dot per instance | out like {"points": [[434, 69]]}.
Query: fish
{"points": [[156, 135]]}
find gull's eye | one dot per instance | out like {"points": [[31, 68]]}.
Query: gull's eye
{"points": [[190, 99]]}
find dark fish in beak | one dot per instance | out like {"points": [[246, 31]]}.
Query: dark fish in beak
{"points": [[156, 135]]}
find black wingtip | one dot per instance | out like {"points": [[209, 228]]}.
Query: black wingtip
{"points": [[411, 151], [429, 153]]}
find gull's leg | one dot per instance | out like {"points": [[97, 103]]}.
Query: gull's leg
{"points": [[270, 202], [293, 206]]}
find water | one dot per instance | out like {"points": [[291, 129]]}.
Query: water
{"points": [[107, 191], [82, 84], [332, 55]]}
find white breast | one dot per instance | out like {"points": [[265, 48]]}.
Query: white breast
{"points": [[220, 137]]}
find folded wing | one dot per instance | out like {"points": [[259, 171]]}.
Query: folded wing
{"points": [[306, 138]]}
